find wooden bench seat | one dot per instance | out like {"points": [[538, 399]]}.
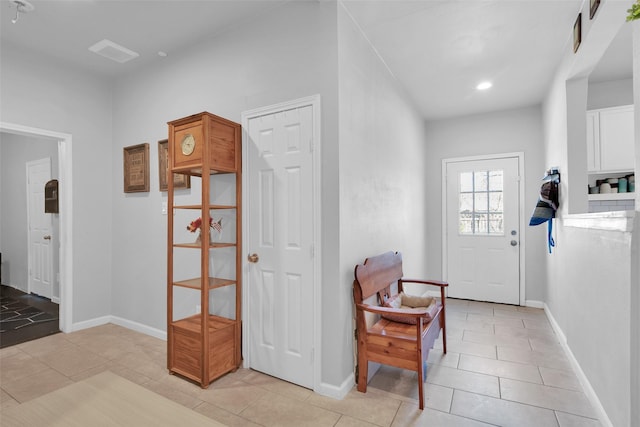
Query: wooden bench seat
{"points": [[390, 342]]}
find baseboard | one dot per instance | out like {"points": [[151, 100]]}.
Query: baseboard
{"points": [[125, 323], [91, 323], [55, 300], [533, 303], [139, 327], [586, 385], [337, 392]]}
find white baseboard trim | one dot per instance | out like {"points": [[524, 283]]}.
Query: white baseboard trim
{"points": [[125, 323], [55, 300], [586, 385], [337, 392], [139, 327], [91, 323], [533, 303]]}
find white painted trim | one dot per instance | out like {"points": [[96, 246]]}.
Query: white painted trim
{"points": [[65, 166], [521, 188], [91, 323], [55, 300], [337, 392], [534, 303], [584, 381], [315, 305], [139, 327], [125, 323]]}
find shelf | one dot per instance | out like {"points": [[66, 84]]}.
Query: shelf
{"points": [[613, 196], [214, 283], [196, 170], [211, 207], [199, 246], [192, 323]]}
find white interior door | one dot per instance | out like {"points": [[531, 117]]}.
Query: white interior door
{"points": [[483, 229], [281, 229], [40, 250]]}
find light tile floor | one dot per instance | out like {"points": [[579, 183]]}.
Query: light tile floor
{"points": [[504, 367]]}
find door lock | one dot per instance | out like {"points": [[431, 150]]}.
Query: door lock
{"points": [[514, 243], [47, 237]]}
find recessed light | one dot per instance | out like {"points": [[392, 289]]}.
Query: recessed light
{"points": [[162, 54], [484, 85]]}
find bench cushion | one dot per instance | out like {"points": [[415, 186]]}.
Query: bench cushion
{"points": [[410, 303]]}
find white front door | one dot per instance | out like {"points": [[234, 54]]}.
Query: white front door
{"points": [[483, 229], [281, 233], [40, 250]]}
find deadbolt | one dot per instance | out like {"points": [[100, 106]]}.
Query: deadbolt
{"points": [[253, 258], [47, 237], [514, 243]]}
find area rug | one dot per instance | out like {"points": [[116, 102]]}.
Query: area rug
{"points": [[17, 315], [103, 400]]}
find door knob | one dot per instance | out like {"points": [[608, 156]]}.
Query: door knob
{"points": [[514, 243], [253, 258], [47, 237]]}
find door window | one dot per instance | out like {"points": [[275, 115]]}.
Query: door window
{"points": [[480, 207]]}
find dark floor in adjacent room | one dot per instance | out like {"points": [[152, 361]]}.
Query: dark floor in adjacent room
{"points": [[26, 317]]}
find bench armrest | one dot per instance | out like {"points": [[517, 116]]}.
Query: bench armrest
{"points": [[426, 282], [388, 310]]}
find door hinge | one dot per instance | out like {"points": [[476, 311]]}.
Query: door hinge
{"points": [[355, 334]]}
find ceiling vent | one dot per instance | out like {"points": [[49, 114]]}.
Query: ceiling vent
{"points": [[113, 51]]}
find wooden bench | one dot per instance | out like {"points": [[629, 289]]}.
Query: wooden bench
{"points": [[389, 342]]}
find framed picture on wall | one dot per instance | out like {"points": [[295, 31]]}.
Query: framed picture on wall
{"points": [[179, 180], [577, 33], [136, 168], [593, 6]]}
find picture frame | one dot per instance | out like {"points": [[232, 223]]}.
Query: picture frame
{"points": [[179, 180], [593, 7], [136, 168], [577, 33]]}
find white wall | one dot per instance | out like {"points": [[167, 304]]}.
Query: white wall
{"points": [[634, 301], [15, 152], [502, 132], [287, 53], [590, 267], [40, 92], [383, 195], [610, 94]]}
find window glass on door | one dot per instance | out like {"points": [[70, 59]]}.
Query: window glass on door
{"points": [[481, 210]]}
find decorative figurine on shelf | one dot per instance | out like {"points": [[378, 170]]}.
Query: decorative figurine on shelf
{"points": [[197, 223]]}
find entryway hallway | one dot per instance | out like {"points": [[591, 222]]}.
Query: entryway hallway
{"points": [[505, 367]]}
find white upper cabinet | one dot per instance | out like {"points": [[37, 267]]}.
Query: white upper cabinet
{"points": [[610, 144]]}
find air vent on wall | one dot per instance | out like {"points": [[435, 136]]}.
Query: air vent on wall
{"points": [[113, 51]]}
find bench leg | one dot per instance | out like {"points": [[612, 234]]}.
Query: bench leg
{"points": [[420, 381], [363, 373]]}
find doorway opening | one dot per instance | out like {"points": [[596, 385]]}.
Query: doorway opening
{"points": [[64, 142]]}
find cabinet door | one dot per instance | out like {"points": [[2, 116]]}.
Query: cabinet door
{"points": [[616, 139], [593, 142]]}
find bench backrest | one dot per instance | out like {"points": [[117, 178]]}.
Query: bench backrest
{"points": [[376, 275]]}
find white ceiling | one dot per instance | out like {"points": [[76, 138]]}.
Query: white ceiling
{"points": [[438, 50]]}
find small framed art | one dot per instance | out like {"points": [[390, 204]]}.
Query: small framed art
{"points": [[136, 168], [593, 6], [577, 33], [179, 180]]}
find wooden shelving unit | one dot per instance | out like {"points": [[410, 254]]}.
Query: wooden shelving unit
{"points": [[204, 346]]}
